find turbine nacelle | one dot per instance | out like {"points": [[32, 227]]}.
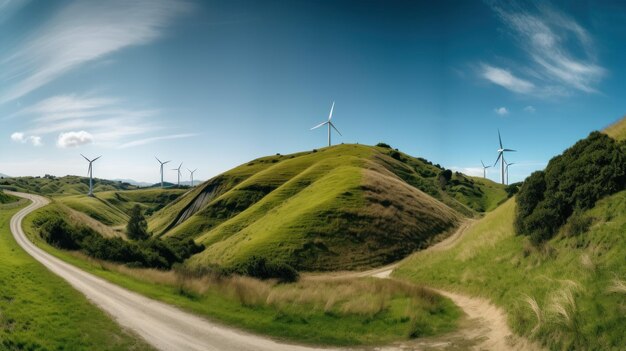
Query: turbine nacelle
{"points": [[329, 123]]}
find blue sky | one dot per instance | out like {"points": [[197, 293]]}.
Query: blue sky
{"points": [[214, 84]]}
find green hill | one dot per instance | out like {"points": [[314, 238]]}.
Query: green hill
{"points": [[6, 198], [68, 185], [617, 130], [343, 207], [554, 257]]}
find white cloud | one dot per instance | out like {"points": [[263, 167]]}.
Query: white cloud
{"points": [[530, 109], [81, 32], [74, 139], [153, 139], [470, 171], [502, 111], [507, 80], [18, 137], [561, 52]]}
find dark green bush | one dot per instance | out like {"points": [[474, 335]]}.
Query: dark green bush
{"points": [[386, 146], [573, 181], [259, 267], [137, 227]]}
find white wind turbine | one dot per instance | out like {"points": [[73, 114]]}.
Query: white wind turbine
{"points": [[191, 173], [484, 169], [506, 170], [501, 152], [329, 123], [162, 164], [90, 171], [178, 171]]}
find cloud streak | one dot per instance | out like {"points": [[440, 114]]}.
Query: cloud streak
{"points": [[155, 139], [561, 53], [80, 33]]}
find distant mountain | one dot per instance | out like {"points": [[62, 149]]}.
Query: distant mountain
{"points": [[133, 182], [2, 175]]}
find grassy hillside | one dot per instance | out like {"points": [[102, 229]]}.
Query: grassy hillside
{"points": [[617, 130], [6, 198], [112, 207], [347, 206], [568, 293], [39, 311], [68, 185]]}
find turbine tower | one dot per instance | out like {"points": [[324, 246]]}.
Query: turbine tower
{"points": [[90, 171], [191, 173], [484, 169], [506, 170], [178, 169], [162, 164], [329, 123], [501, 152]]}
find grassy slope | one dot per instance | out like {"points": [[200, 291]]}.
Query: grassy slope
{"points": [[617, 130], [586, 271], [245, 305], [112, 207], [325, 209], [38, 310], [6, 198], [68, 185]]}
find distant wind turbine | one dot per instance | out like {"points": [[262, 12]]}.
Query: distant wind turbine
{"points": [[191, 173], [90, 171], [329, 123], [484, 169], [501, 152], [506, 170], [162, 164], [178, 169]]}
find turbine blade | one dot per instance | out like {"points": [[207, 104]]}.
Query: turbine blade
{"points": [[319, 125], [85, 158], [94, 160], [482, 163], [509, 150], [166, 162], [330, 115], [497, 159], [158, 159], [332, 125], [500, 138]]}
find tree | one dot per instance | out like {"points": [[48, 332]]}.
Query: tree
{"points": [[137, 228], [444, 177]]}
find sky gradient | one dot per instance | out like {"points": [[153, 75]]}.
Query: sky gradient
{"points": [[214, 84]]}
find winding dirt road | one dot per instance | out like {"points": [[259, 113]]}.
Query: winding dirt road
{"points": [[168, 328]]}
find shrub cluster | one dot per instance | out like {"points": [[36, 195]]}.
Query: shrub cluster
{"points": [[151, 253], [259, 267], [573, 181], [385, 145]]}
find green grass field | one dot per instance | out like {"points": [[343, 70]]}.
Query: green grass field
{"points": [[343, 207], [39, 311], [568, 294], [355, 312]]}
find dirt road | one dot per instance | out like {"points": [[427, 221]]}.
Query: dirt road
{"points": [[168, 328]]}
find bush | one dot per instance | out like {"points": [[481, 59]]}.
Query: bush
{"points": [[137, 227], [386, 146], [396, 155], [512, 189], [259, 267], [444, 177], [577, 224], [573, 181]]}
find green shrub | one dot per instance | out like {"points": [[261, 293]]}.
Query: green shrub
{"points": [[577, 224], [573, 181], [259, 267], [137, 227], [386, 146]]}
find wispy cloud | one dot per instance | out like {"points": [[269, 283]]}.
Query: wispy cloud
{"points": [[530, 109], [507, 80], [561, 53], [502, 111], [154, 139], [107, 120], [82, 32]]}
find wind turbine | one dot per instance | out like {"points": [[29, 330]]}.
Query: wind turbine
{"points": [[507, 171], [484, 169], [192, 172], [501, 152], [329, 123], [178, 169], [162, 164], [90, 171]]}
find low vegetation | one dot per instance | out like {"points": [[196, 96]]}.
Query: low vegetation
{"points": [[572, 182], [51, 185], [6, 198], [39, 311], [567, 293]]}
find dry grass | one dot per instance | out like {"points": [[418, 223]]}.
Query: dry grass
{"points": [[617, 286], [587, 263], [534, 306], [562, 306]]}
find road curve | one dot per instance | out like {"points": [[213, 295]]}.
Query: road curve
{"points": [[161, 325]]}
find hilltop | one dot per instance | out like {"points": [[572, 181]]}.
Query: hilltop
{"points": [[617, 130], [342, 207], [68, 185]]}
